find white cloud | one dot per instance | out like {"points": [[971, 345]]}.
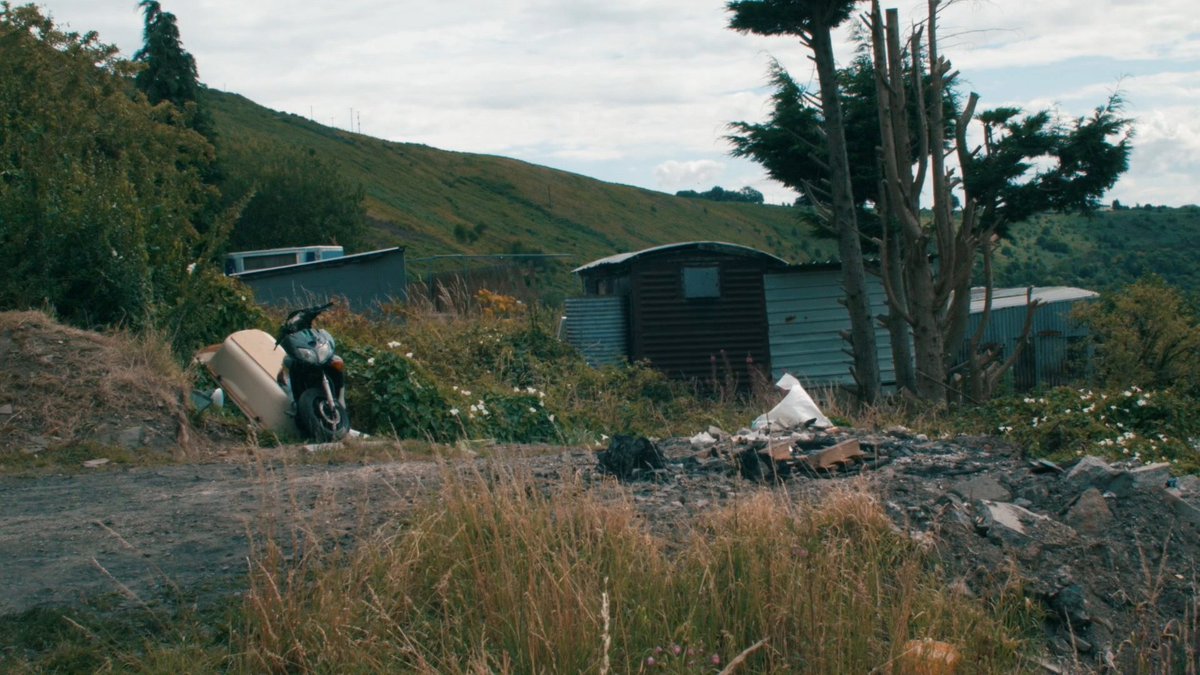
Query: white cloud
{"points": [[673, 175], [621, 89]]}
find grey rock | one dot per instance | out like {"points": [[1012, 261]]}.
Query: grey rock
{"points": [[1092, 472], [981, 487], [1090, 513], [1149, 477], [1185, 511], [1188, 486], [133, 437], [6, 409]]}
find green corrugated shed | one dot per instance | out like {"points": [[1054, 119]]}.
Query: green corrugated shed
{"points": [[598, 328], [806, 319], [1053, 341]]}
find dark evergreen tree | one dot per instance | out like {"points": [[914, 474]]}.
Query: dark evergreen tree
{"points": [[169, 71]]}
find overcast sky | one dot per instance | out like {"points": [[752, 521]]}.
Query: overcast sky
{"points": [[640, 91]]}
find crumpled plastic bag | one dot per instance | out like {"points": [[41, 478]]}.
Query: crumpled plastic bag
{"points": [[797, 409]]}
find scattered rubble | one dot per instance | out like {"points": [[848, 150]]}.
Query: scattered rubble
{"points": [[1108, 550]]}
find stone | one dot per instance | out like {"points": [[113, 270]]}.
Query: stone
{"points": [[1147, 477], [95, 463], [1090, 513], [1093, 472], [1188, 486], [6, 409], [1184, 511], [981, 487], [133, 437]]}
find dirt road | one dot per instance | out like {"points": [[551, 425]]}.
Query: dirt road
{"points": [[65, 538]]}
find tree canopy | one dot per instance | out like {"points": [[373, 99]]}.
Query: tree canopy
{"points": [[294, 198], [168, 71], [746, 195], [98, 189]]}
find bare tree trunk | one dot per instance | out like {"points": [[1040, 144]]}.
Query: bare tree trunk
{"points": [[854, 278]]}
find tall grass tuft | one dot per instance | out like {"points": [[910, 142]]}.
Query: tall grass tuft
{"points": [[499, 575]]}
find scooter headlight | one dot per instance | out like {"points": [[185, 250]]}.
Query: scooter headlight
{"points": [[324, 351], [307, 354]]}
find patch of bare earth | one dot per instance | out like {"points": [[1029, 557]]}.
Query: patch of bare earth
{"points": [[62, 385]]}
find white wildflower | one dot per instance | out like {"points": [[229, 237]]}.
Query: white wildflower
{"points": [[371, 361], [454, 411]]}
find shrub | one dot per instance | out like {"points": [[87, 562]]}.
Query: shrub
{"points": [[1063, 424], [1146, 335]]}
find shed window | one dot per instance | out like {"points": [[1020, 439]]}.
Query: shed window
{"points": [[701, 282]]}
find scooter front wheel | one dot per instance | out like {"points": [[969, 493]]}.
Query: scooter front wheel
{"points": [[319, 419]]}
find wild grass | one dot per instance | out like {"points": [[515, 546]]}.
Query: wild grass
{"points": [[498, 574]]}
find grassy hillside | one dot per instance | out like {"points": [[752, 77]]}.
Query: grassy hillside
{"points": [[1104, 250], [438, 202]]}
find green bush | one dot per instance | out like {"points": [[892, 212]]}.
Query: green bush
{"points": [[1064, 424], [1146, 335], [209, 307], [387, 392]]}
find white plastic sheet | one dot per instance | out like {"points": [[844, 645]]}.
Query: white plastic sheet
{"points": [[796, 409]]}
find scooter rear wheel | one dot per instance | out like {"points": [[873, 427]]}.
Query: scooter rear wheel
{"points": [[319, 420]]}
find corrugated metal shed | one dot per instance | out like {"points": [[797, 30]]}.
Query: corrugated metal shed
{"points": [[598, 328], [364, 279], [696, 310], [806, 319], [1048, 357]]}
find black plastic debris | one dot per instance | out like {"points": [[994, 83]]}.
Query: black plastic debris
{"points": [[632, 458]]}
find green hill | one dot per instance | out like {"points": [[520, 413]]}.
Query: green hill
{"points": [[437, 202], [1104, 250], [440, 202]]}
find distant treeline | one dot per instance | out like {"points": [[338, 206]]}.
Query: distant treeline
{"points": [[746, 195]]}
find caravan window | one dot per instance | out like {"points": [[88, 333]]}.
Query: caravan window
{"points": [[701, 282], [262, 262]]}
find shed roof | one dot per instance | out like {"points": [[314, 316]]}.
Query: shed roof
{"points": [[318, 264], [713, 246], [1016, 297]]}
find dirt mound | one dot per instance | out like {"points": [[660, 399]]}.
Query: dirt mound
{"points": [[61, 386]]}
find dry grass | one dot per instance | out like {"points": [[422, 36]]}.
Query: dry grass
{"points": [[498, 574], [68, 386]]}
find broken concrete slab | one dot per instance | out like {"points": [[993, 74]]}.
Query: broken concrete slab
{"points": [[1016, 526], [1151, 476]]}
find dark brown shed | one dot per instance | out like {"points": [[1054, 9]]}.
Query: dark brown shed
{"points": [[695, 310]]}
